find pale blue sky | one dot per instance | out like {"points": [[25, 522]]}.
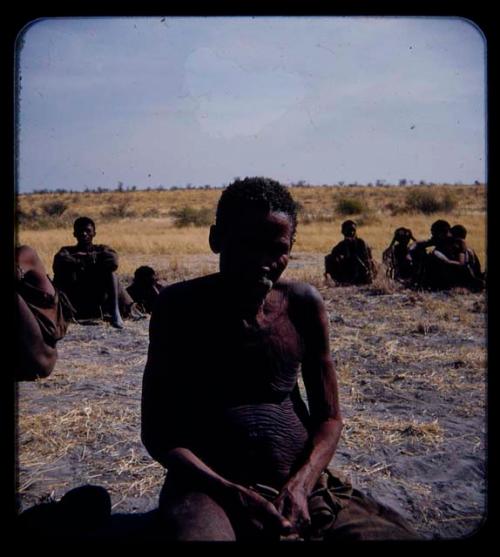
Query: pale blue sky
{"points": [[170, 101]]}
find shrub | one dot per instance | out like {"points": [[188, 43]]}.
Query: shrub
{"points": [[350, 206], [54, 208], [119, 211], [428, 202], [187, 216], [449, 202], [34, 221]]}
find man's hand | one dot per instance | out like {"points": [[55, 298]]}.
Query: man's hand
{"points": [[260, 512], [292, 504]]}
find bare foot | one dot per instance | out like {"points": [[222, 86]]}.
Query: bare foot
{"points": [[117, 322]]}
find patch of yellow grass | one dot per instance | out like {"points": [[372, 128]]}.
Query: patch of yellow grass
{"points": [[147, 237], [364, 432]]}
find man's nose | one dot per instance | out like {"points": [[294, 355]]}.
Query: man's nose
{"points": [[266, 265]]}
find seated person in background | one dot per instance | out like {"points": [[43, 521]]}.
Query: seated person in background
{"points": [[396, 257], [427, 271], [221, 405], [445, 265], [86, 273], [459, 233], [40, 320], [350, 261], [145, 288]]}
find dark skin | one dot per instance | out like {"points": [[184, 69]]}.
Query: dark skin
{"points": [[36, 357], [250, 312], [448, 250], [85, 237], [349, 231], [145, 289], [351, 258]]}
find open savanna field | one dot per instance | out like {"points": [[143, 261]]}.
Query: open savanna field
{"points": [[141, 225], [411, 365]]}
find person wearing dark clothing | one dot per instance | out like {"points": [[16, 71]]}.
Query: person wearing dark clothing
{"points": [[86, 273], [399, 265], [350, 261], [471, 260], [145, 288]]}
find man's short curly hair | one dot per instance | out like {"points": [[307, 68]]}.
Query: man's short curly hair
{"points": [[254, 193], [440, 227], [81, 222], [144, 272], [459, 231]]}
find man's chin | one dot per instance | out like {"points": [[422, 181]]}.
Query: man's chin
{"points": [[257, 291], [253, 289]]}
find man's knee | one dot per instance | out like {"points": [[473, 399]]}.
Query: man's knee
{"points": [[195, 517], [365, 519]]}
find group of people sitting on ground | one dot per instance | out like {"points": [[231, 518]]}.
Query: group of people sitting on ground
{"points": [[248, 458], [443, 261]]}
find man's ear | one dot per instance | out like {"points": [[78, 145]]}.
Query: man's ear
{"points": [[214, 239]]}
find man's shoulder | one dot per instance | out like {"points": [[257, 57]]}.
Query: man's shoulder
{"points": [[103, 248], [188, 290], [300, 292], [305, 304]]}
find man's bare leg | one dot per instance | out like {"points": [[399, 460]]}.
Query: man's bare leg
{"points": [[195, 516], [116, 318]]}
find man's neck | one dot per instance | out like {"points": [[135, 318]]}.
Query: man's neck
{"points": [[250, 312]]}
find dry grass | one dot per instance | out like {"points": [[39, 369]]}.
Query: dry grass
{"points": [[93, 439], [159, 237], [411, 365], [362, 432]]}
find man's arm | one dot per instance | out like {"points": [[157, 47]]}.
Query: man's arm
{"points": [[35, 357], [65, 257], [323, 401], [338, 250], [441, 256], [106, 257]]}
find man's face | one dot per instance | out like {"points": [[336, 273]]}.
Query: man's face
{"points": [[440, 234], [84, 235], [349, 231], [255, 251]]}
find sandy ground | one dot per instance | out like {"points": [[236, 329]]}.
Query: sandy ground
{"points": [[412, 373]]}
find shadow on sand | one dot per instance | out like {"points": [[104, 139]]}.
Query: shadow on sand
{"points": [[84, 513]]}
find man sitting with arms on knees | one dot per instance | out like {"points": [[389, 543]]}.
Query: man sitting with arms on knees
{"points": [[86, 273], [40, 320], [350, 261], [221, 406]]}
